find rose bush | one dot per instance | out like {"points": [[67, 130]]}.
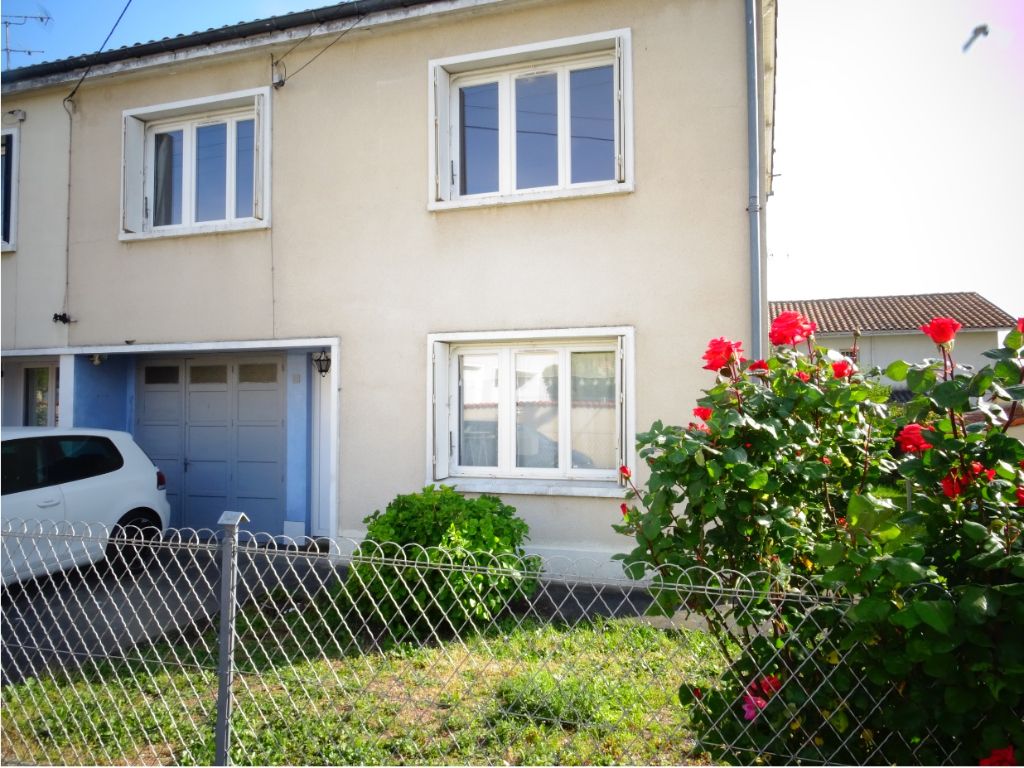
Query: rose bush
{"points": [[799, 477]]}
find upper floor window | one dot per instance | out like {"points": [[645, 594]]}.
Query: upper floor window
{"points": [[9, 186], [198, 166], [533, 122]]}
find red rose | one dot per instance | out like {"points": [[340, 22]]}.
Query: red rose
{"points": [[1020, 325], [624, 508], [791, 328], [694, 427], [698, 694], [624, 471], [841, 522], [721, 352], [1002, 756], [1020, 497], [702, 413], [803, 376], [826, 461], [758, 365], [771, 684], [956, 483], [843, 369], [910, 439], [941, 329]]}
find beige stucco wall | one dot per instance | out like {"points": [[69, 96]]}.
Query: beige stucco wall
{"points": [[915, 347], [32, 276], [353, 251]]}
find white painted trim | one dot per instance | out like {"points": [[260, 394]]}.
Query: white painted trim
{"points": [[594, 190], [515, 54], [193, 346], [203, 51], [606, 489], [569, 334], [66, 395]]}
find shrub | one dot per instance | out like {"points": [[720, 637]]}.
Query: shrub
{"points": [[438, 563], [799, 474]]}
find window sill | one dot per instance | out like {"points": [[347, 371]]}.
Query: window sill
{"points": [[596, 190], [199, 229], [604, 489]]}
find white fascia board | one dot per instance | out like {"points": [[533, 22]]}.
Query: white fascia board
{"points": [[295, 34], [198, 346], [904, 332]]}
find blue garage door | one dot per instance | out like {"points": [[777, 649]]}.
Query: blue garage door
{"points": [[216, 428]]}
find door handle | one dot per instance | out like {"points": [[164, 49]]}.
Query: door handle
{"points": [[48, 503]]}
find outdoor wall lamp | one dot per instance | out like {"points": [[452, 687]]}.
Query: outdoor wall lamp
{"points": [[322, 361]]}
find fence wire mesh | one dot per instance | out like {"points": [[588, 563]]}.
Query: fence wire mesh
{"points": [[406, 656]]}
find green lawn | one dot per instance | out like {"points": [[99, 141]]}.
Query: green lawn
{"points": [[601, 692]]}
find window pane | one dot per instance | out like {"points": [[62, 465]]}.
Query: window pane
{"points": [[536, 131], [80, 457], [593, 410], [37, 397], [167, 175], [592, 124], [208, 374], [257, 373], [537, 410], [478, 411], [211, 171], [245, 158], [161, 374], [478, 139], [6, 179]]}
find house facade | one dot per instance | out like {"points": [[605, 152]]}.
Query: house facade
{"points": [[504, 231]]}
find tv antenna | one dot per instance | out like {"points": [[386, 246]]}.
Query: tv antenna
{"points": [[13, 20]]}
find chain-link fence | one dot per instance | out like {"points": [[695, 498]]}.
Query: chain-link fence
{"points": [[193, 648]]}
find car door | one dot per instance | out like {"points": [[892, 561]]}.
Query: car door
{"points": [[32, 507]]}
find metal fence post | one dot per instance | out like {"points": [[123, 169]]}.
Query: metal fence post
{"points": [[226, 660]]}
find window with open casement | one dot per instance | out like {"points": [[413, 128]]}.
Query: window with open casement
{"points": [[196, 166], [532, 122], [543, 408]]}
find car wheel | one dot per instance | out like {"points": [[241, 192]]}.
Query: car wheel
{"points": [[131, 539]]}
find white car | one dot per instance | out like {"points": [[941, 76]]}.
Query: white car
{"points": [[68, 495]]}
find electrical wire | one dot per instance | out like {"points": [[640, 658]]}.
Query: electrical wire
{"points": [[319, 53], [107, 40]]}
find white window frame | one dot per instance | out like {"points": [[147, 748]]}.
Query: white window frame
{"points": [[446, 76], [444, 350], [140, 127], [14, 132]]}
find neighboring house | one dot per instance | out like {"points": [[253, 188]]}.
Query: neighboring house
{"points": [[504, 229], [890, 326]]}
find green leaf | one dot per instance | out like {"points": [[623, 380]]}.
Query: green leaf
{"points": [[951, 394], [897, 370], [1016, 392], [758, 480], [827, 556], [870, 609], [906, 571], [920, 380], [906, 618], [975, 531], [937, 614], [975, 606]]}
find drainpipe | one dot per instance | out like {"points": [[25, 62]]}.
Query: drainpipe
{"points": [[755, 170]]}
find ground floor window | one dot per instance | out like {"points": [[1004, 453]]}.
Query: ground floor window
{"points": [[547, 406]]}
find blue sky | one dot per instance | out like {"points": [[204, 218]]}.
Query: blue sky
{"points": [[899, 159]]}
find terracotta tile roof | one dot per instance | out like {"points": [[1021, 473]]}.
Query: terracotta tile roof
{"points": [[882, 314]]}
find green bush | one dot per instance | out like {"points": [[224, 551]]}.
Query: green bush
{"points": [[799, 475], [436, 563]]}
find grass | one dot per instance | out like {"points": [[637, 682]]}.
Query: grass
{"points": [[600, 692]]}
